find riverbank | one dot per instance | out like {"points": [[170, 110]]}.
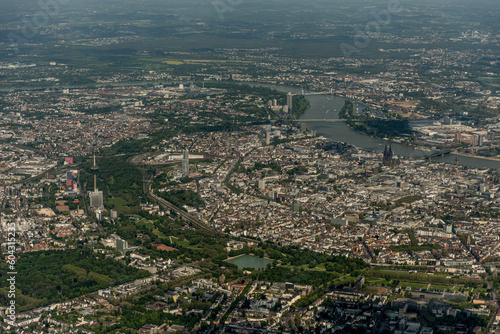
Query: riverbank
{"points": [[475, 156]]}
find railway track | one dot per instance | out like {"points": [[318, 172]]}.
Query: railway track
{"points": [[186, 216]]}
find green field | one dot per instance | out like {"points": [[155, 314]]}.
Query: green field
{"points": [[419, 277], [441, 287], [202, 61], [377, 281], [413, 286], [183, 243], [120, 203], [160, 234]]}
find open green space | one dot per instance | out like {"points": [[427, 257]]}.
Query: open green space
{"points": [[181, 242], [120, 181], [442, 287], [202, 61], [377, 281], [420, 277], [413, 286], [53, 276], [160, 234]]}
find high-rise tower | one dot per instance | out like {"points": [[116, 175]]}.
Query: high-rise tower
{"points": [[94, 170], [185, 163], [96, 196], [289, 101]]}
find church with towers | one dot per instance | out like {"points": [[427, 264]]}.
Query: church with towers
{"points": [[388, 158]]}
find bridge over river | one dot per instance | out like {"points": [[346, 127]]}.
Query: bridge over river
{"points": [[438, 154], [317, 93], [315, 120]]}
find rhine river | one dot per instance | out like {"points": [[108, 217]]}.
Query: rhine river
{"points": [[328, 106]]}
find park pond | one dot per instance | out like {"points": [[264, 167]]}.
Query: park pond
{"points": [[249, 261]]}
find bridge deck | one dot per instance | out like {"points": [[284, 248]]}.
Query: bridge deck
{"points": [[321, 120]]}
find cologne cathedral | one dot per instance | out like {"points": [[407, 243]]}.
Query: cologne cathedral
{"points": [[388, 158]]}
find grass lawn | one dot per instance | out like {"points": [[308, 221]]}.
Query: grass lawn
{"points": [[420, 277], [173, 62], [375, 281], [120, 205], [117, 201], [344, 280], [160, 234], [306, 267], [479, 290], [414, 286], [442, 287], [184, 243], [203, 61]]}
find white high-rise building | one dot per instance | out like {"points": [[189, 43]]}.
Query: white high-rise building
{"points": [[289, 101], [96, 199]]}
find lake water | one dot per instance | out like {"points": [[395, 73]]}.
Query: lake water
{"points": [[250, 261]]}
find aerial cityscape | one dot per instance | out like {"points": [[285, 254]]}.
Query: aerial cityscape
{"points": [[249, 166]]}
